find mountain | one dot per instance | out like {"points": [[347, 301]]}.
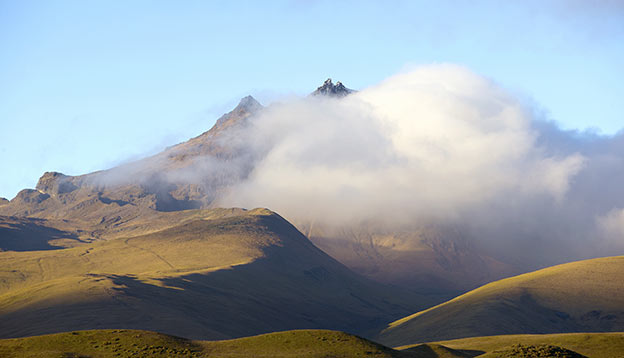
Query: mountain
{"points": [[189, 175], [195, 174], [209, 274], [328, 88], [582, 296]]}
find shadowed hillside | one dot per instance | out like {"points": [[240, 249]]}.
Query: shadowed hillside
{"points": [[217, 274], [435, 259], [28, 234], [583, 296]]}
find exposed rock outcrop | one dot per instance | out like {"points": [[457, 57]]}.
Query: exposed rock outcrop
{"points": [[332, 90]]}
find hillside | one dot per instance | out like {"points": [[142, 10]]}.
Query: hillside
{"points": [[210, 274], [594, 345], [132, 343], [434, 259], [305, 344], [582, 296]]}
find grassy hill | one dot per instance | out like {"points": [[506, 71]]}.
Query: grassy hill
{"points": [[305, 344], [582, 296], [210, 274], [595, 345], [132, 343]]}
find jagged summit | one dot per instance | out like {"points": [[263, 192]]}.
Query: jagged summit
{"points": [[55, 183], [333, 90], [248, 103], [246, 107]]}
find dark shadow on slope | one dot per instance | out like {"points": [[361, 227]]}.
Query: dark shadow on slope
{"points": [[295, 285], [19, 234], [264, 296], [164, 201]]}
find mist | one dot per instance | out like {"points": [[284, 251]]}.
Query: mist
{"points": [[439, 145]]}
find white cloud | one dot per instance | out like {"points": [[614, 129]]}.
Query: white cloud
{"points": [[435, 143], [611, 225]]}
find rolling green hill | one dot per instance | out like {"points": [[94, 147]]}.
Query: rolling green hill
{"points": [[209, 274], [595, 345], [582, 296], [306, 344], [133, 343]]}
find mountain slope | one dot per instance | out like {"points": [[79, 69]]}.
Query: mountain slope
{"points": [[188, 175], [213, 274], [582, 296], [434, 259], [27, 234]]}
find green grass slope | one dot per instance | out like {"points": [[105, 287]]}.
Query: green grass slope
{"points": [[306, 344], [216, 274], [595, 345], [132, 343], [583, 296], [433, 350], [101, 343]]}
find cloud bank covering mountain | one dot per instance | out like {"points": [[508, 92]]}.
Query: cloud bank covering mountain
{"points": [[436, 146], [440, 144]]}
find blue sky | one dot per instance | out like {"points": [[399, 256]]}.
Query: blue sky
{"points": [[86, 85]]}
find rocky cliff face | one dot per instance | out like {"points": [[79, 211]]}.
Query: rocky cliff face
{"points": [[55, 183]]}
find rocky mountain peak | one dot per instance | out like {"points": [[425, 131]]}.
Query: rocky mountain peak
{"points": [[55, 183], [333, 90], [245, 108], [248, 103]]}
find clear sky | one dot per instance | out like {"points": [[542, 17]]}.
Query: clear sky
{"points": [[86, 85]]}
